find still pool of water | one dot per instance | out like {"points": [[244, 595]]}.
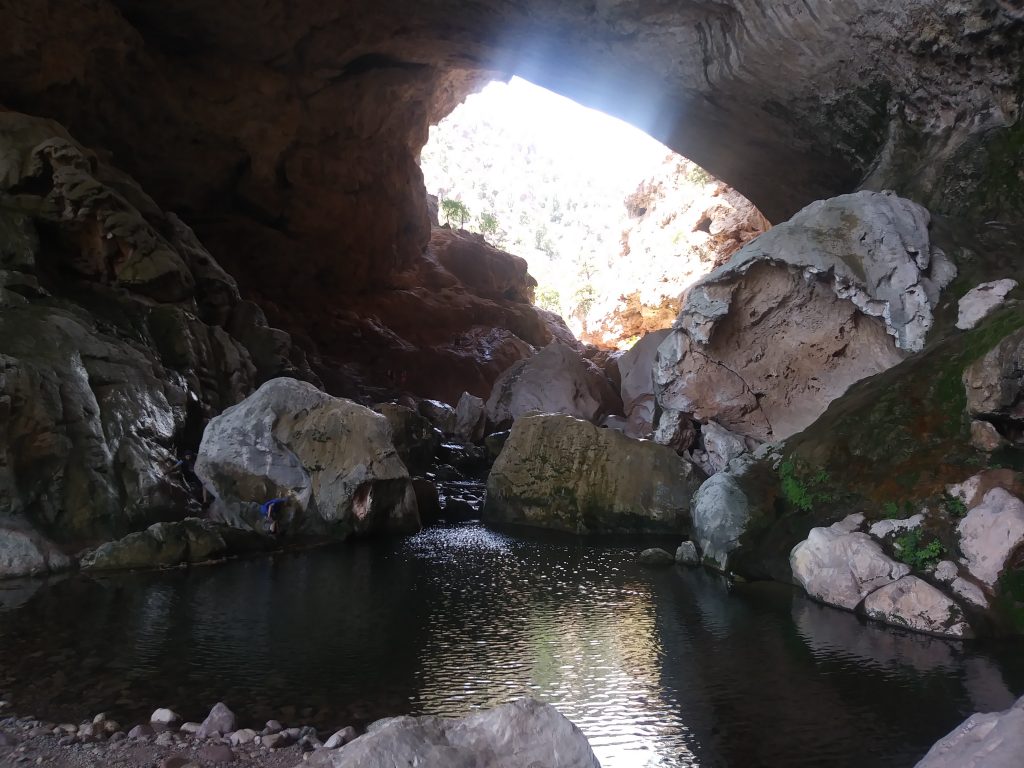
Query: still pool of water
{"points": [[658, 667]]}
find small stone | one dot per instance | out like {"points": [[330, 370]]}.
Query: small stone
{"points": [[946, 571], [98, 719], [885, 528], [686, 554], [216, 753], [164, 716], [273, 726], [189, 728], [341, 737], [221, 720], [655, 556], [275, 740], [40, 731], [242, 736], [985, 437], [6, 740], [118, 736], [293, 733], [165, 739], [67, 728], [67, 741], [141, 732], [175, 761]]}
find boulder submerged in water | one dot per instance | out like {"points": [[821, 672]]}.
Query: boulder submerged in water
{"points": [[522, 733], [566, 474]]}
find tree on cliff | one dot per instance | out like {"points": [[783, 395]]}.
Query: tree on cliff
{"points": [[454, 210]]}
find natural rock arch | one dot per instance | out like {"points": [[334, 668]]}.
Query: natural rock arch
{"points": [[286, 132]]}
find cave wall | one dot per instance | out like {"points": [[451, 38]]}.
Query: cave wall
{"points": [[288, 131]]}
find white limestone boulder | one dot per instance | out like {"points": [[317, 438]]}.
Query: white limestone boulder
{"points": [[841, 566], [915, 604], [989, 740], [990, 533], [981, 301]]}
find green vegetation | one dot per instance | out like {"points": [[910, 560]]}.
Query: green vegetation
{"points": [[917, 555], [454, 210], [891, 510], [547, 297], [487, 223], [801, 488], [954, 506], [698, 175]]}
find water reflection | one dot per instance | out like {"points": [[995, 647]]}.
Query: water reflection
{"points": [[658, 667]]}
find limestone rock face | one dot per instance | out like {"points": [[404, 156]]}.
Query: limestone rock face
{"points": [[840, 292], [989, 740], [841, 566], [555, 380], [991, 533], [636, 370], [23, 552], [333, 460], [681, 224], [114, 347], [981, 301], [523, 733], [566, 474], [916, 604]]}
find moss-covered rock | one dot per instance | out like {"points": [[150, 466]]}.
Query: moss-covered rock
{"points": [[566, 474]]}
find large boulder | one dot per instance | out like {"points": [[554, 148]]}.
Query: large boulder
{"points": [[24, 552], [984, 740], [981, 301], [991, 534], [842, 291], [840, 566], [567, 474], [636, 371], [523, 733], [846, 568], [555, 380], [915, 604], [333, 460], [730, 509]]}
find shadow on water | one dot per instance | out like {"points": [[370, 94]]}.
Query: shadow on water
{"points": [[658, 667]]}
